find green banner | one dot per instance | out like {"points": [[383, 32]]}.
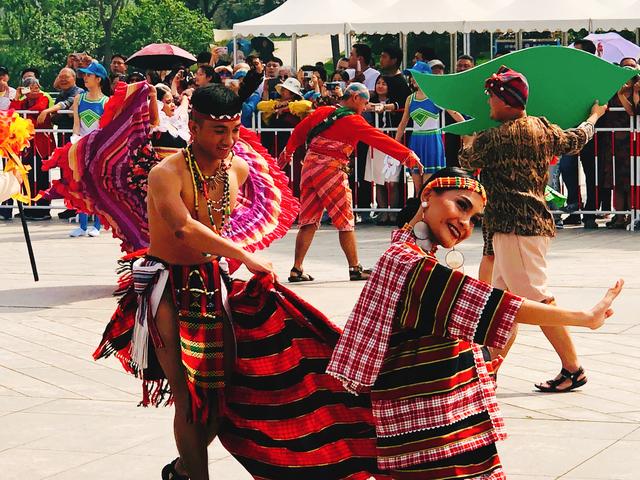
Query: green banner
{"points": [[563, 84]]}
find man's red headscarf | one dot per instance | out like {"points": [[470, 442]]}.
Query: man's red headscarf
{"points": [[509, 86]]}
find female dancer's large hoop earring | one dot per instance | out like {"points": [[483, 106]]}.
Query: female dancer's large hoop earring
{"points": [[454, 259]]}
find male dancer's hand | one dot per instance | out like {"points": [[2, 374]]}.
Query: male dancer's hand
{"points": [[598, 110], [603, 310], [283, 159], [418, 164], [255, 264]]}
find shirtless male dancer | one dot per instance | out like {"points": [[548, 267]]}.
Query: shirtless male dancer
{"points": [[190, 198]]}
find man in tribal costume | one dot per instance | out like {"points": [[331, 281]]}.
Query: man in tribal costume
{"points": [[240, 360], [332, 135], [514, 158]]}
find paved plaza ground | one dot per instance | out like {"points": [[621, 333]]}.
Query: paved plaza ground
{"points": [[64, 416]]}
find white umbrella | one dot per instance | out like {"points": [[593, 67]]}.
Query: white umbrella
{"points": [[613, 48]]}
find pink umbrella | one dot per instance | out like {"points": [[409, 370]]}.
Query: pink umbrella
{"points": [[612, 47], [161, 56]]}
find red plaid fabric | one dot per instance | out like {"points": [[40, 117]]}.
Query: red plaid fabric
{"points": [[488, 391], [422, 456], [398, 417], [324, 185], [468, 308], [358, 356]]}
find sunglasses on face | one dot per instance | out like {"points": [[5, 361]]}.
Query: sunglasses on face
{"points": [[283, 77]]}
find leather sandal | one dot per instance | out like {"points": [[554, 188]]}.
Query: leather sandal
{"points": [[169, 472], [563, 377], [358, 273], [299, 276]]}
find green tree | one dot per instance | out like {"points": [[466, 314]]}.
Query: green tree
{"points": [[226, 13], [52, 30], [42, 33], [108, 13], [161, 21]]}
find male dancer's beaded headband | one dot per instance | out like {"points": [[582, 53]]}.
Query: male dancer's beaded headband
{"points": [[218, 118], [458, 183]]}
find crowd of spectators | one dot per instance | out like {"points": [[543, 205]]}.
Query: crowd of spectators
{"points": [[276, 98]]}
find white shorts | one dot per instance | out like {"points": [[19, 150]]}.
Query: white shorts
{"points": [[373, 171], [520, 265]]}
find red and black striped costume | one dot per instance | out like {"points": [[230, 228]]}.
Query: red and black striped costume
{"points": [[282, 416], [433, 399]]}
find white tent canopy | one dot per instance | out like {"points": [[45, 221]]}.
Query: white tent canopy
{"points": [[300, 17], [406, 16]]}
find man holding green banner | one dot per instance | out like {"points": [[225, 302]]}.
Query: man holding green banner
{"points": [[514, 157]]}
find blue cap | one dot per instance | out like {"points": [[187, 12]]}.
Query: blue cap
{"points": [[240, 74], [95, 69], [419, 67]]}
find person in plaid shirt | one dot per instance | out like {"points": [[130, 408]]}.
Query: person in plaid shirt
{"points": [[416, 340]]}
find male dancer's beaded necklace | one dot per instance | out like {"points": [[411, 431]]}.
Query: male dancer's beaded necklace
{"points": [[202, 184]]}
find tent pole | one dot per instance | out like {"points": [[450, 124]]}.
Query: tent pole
{"points": [[235, 49], [519, 40], [453, 42], [490, 45], [637, 36], [466, 43], [294, 52], [347, 44], [404, 45]]}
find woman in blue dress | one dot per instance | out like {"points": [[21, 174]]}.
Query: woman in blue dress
{"points": [[426, 136]]}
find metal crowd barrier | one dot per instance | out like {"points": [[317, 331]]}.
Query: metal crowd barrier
{"points": [[634, 145], [276, 145]]}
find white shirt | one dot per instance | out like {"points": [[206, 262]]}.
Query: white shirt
{"points": [[6, 97], [8, 185], [370, 76]]}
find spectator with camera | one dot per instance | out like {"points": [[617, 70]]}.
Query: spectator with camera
{"points": [[312, 80], [32, 72], [332, 91], [267, 90], [182, 80]]}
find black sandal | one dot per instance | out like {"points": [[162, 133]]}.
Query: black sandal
{"points": [[299, 276], [358, 273], [169, 472], [564, 376]]}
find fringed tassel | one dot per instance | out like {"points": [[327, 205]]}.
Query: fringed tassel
{"points": [[155, 393]]}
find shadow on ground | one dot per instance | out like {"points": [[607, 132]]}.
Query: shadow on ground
{"points": [[41, 298]]}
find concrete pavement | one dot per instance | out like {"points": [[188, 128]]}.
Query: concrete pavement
{"points": [[64, 416]]}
